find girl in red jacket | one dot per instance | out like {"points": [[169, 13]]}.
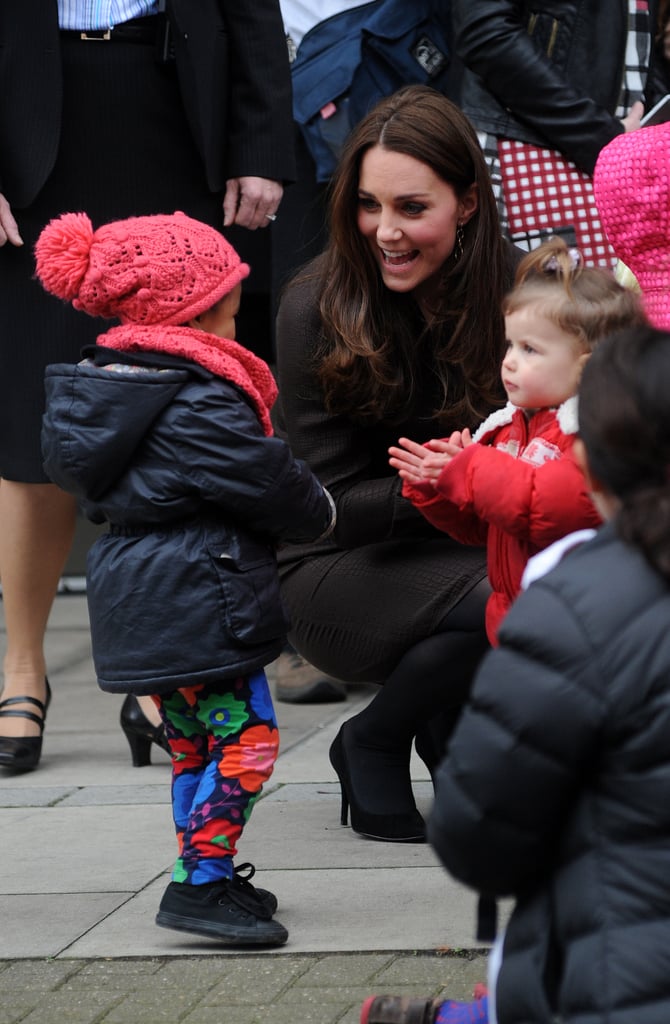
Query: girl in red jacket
{"points": [[515, 486]]}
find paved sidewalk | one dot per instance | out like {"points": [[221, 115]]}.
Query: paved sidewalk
{"points": [[87, 849]]}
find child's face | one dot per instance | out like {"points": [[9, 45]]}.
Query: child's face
{"points": [[542, 364], [220, 319]]}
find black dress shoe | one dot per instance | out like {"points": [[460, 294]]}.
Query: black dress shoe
{"points": [[22, 753], [140, 732], [219, 910]]}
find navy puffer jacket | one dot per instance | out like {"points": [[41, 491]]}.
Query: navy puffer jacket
{"points": [[183, 589], [556, 790]]}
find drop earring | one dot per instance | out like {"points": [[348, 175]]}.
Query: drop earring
{"points": [[458, 244]]}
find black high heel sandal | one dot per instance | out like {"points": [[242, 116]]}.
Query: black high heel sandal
{"points": [[405, 826], [22, 753], [140, 732]]}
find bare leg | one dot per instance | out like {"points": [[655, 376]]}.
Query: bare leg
{"points": [[37, 524], [150, 710]]}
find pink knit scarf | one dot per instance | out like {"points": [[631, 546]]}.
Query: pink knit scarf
{"points": [[221, 356]]}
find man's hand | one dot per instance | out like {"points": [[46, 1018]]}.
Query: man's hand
{"points": [[251, 202], [9, 231]]}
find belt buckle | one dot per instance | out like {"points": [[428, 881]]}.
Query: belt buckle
{"points": [[96, 35]]}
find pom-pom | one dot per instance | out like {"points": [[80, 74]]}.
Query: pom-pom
{"points": [[62, 254]]}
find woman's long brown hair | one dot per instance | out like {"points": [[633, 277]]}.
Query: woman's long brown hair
{"points": [[368, 367]]}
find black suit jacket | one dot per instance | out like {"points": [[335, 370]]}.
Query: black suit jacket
{"points": [[234, 77]]}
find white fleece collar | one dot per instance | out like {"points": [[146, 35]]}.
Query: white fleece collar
{"points": [[496, 420], [566, 414]]}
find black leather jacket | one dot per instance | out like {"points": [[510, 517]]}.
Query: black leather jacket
{"points": [[545, 71]]}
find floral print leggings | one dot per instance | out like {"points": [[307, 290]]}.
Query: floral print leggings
{"points": [[224, 742]]}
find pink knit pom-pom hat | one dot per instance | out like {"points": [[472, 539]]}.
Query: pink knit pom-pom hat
{"points": [[631, 186], [161, 269]]}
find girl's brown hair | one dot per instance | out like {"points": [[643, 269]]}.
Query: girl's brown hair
{"points": [[374, 338], [586, 302]]}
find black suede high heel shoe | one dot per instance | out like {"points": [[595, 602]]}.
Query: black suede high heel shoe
{"points": [[403, 826], [22, 753], [140, 732]]}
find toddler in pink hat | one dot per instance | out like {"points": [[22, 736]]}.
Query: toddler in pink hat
{"points": [[163, 432], [631, 185]]}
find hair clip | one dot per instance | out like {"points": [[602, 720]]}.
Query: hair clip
{"points": [[552, 265]]}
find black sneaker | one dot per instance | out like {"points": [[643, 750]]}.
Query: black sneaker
{"points": [[220, 910], [242, 880]]}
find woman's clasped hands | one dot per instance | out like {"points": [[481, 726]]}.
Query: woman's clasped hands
{"points": [[422, 464]]}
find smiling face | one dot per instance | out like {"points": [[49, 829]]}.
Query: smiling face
{"points": [[542, 364], [409, 216]]}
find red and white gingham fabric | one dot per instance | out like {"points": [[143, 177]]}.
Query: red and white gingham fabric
{"points": [[544, 192]]}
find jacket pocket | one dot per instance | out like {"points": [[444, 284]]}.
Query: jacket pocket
{"points": [[251, 603]]}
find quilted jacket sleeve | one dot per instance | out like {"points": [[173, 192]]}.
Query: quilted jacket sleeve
{"points": [[223, 452], [461, 523], [536, 504]]}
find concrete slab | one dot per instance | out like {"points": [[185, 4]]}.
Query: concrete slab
{"points": [[322, 909], [38, 925], [79, 850], [96, 841], [298, 826], [112, 796]]}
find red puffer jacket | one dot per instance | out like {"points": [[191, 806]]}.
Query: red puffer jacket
{"points": [[517, 489]]}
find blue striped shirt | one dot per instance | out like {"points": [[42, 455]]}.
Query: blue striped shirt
{"points": [[102, 14]]}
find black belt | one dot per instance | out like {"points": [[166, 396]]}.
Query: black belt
{"points": [[139, 30]]}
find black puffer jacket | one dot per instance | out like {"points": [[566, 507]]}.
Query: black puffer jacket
{"points": [[547, 72], [184, 588], [556, 789]]}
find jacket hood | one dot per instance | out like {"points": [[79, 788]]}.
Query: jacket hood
{"points": [[96, 417], [221, 356]]}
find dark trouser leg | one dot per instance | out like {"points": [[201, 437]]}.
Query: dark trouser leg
{"points": [[431, 681], [423, 697]]}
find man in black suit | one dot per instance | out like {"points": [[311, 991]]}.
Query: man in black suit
{"points": [[187, 107], [234, 84]]}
